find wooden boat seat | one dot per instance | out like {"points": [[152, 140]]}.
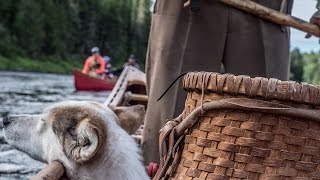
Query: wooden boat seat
{"points": [[137, 97]]}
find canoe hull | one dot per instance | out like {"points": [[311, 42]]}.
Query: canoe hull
{"points": [[86, 83]]}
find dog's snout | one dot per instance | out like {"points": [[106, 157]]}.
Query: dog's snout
{"points": [[6, 121]]}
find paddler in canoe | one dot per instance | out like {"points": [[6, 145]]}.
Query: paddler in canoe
{"points": [[94, 65]]}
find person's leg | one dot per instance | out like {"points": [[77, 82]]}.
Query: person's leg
{"points": [[166, 43], [180, 41], [255, 47]]}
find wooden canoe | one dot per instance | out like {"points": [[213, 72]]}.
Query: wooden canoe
{"points": [[84, 82], [130, 89]]}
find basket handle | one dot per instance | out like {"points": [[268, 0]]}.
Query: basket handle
{"points": [[246, 104]]}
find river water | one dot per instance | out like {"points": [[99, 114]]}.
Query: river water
{"points": [[29, 93]]}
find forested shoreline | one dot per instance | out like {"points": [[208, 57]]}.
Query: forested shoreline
{"points": [[64, 30], [56, 35]]}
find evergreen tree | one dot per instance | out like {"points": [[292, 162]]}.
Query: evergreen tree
{"points": [[29, 27], [67, 29], [311, 68], [296, 67], [8, 11]]}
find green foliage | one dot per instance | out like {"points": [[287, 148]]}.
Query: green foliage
{"points": [[312, 68], [305, 67], [28, 28], [7, 15], [67, 29], [296, 71]]}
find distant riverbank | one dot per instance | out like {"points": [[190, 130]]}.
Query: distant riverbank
{"points": [[34, 65]]}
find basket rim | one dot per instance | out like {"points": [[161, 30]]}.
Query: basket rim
{"points": [[267, 88]]}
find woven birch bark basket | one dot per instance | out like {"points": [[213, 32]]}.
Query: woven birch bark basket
{"points": [[237, 127]]}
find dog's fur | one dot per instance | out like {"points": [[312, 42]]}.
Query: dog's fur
{"points": [[84, 136]]}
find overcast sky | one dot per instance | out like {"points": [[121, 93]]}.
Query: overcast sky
{"points": [[304, 9]]}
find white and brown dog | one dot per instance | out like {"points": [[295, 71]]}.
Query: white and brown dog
{"points": [[84, 136]]}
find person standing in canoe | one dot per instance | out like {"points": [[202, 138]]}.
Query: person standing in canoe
{"points": [[95, 64], [198, 35]]}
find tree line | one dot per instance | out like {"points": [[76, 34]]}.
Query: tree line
{"points": [[305, 67], [54, 30], [67, 29]]}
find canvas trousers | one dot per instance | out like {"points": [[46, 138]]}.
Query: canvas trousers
{"points": [[182, 41]]}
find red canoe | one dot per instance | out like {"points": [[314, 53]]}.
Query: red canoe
{"points": [[84, 82]]}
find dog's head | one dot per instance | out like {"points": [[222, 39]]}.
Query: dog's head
{"points": [[70, 130]]}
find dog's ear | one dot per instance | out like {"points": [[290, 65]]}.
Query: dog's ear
{"points": [[81, 139], [88, 137], [130, 118]]}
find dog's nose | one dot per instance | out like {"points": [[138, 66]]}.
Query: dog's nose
{"points": [[6, 121]]}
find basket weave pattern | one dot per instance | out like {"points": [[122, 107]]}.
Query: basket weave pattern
{"points": [[240, 144]]}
